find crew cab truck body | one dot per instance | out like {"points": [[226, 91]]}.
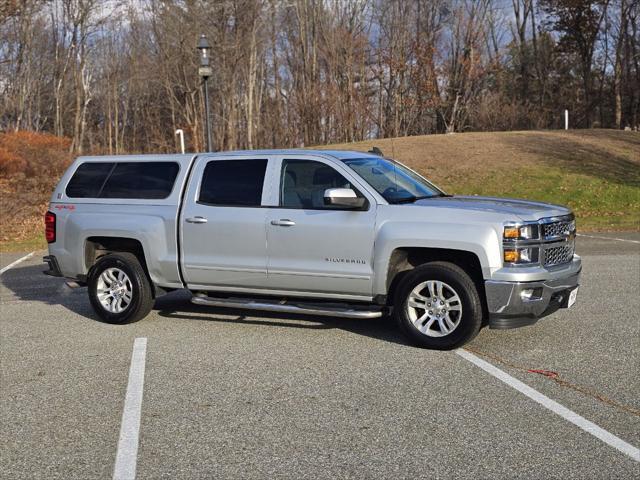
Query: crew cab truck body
{"points": [[317, 232]]}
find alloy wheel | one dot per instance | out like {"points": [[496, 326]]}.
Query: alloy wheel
{"points": [[434, 308], [114, 290]]}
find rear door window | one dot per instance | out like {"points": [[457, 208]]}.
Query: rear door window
{"points": [[233, 183], [126, 180]]}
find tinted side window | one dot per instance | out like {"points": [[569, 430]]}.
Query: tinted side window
{"points": [[304, 182], [149, 180], [88, 179], [233, 183]]}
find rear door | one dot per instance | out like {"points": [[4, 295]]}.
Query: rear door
{"points": [[223, 234]]}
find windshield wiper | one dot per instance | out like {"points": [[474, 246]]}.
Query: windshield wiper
{"points": [[414, 198], [411, 199]]}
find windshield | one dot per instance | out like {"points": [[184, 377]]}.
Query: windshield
{"points": [[395, 182]]}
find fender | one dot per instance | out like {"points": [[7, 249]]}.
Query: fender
{"points": [[482, 240], [152, 231]]}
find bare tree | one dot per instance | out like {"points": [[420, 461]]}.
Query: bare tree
{"points": [[122, 76], [579, 23]]}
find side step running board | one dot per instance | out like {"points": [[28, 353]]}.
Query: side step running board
{"points": [[330, 310]]}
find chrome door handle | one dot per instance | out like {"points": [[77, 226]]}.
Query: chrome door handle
{"points": [[196, 220], [285, 222]]}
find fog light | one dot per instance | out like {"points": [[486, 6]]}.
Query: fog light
{"points": [[527, 294], [531, 294]]}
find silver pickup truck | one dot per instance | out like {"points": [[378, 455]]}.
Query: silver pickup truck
{"points": [[333, 233]]}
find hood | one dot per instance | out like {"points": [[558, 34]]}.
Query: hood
{"points": [[524, 209]]}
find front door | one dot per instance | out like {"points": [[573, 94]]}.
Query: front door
{"points": [[223, 234], [313, 247]]}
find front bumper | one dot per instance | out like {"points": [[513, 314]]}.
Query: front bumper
{"points": [[509, 308]]}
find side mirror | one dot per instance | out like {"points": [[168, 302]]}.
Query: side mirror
{"points": [[343, 197]]}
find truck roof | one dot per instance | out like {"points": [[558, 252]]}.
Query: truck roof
{"points": [[339, 154]]}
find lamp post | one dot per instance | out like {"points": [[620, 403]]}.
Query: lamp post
{"points": [[205, 72]]}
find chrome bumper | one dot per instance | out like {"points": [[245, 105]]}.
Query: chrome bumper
{"points": [[513, 304]]}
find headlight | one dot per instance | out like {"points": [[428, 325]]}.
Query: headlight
{"points": [[521, 232], [521, 256]]}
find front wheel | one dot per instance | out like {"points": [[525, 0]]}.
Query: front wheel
{"points": [[119, 289], [437, 306]]}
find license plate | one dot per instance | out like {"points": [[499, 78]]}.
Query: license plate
{"points": [[572, 297]]}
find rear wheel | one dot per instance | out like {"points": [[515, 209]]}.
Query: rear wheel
{"points": [[437, 306], [119, 289]]}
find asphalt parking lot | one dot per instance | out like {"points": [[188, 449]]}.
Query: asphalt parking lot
{"points": [[234, 395]]}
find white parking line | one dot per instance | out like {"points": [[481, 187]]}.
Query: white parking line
{"points": [[608, 238], [127, 453], [554, 406], [13, 264]]}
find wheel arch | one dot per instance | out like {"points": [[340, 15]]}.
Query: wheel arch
{"points": [[405, 259], [96, 247]]}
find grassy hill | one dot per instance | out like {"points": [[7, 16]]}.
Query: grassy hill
{"points": [[595, 172]]}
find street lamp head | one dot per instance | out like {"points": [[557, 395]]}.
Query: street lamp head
{"points": [[205, 50], [205, 71]]}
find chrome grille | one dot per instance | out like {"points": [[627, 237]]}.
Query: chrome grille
{"points": [[559, 229], [557, 255]]}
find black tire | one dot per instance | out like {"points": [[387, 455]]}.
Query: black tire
{"points": [[142, 296], [469, 321]]}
